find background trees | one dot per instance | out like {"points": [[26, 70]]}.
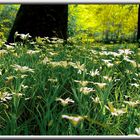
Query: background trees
{"points": [[138, 37], [99, 23], [7, 16], [105, 22]]}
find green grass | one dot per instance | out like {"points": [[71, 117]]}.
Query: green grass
{"points": [[86, 89]]}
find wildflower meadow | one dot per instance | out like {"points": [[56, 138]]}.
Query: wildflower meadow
{"points": [[49, 87], [69, 69]]}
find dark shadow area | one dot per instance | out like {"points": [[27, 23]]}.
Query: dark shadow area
{"points": [[41, 20]]}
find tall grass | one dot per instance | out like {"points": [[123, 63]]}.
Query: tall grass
{"points": [[69, 89]]}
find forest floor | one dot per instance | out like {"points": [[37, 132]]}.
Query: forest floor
{"points": [[56, 89]]}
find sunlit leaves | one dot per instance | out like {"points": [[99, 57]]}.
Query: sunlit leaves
{"points": [[105, 22]]}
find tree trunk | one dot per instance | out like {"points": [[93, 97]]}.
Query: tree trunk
{"points": [[41, 20]]}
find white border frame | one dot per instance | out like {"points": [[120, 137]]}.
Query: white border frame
{"points": [[12, 137]]}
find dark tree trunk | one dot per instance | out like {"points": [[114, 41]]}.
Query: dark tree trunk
{"points": [[138, 35], [41, 20]]}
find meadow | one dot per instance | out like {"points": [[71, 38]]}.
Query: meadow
{"points": [[49, 87]]}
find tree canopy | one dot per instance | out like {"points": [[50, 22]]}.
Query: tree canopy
{"points": [[104, 22]]}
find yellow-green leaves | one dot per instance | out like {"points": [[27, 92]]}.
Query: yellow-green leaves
{"points": [[104, 22]]}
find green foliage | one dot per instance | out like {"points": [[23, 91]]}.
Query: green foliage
{"points": [[72, 20], [51, 88], [48, 88], [105, 22], [7, 16]]}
